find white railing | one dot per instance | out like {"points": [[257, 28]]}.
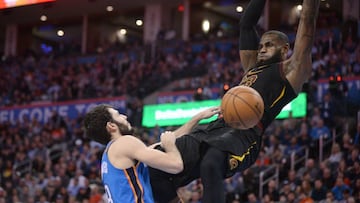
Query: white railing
{"points": [[23, 167], [324, 142], [26, 166], [295, 158], [274, 170]]}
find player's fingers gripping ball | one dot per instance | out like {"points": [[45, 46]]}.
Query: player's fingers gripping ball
{"points": [[242, 107]]}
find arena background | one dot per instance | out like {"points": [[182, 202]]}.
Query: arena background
{"points": [[61, 57]]}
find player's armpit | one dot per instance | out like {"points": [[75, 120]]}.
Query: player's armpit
{"points": [[247, 58]]}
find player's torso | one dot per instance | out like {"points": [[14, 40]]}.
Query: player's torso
{"points": [[126, 185], [271, 83]]}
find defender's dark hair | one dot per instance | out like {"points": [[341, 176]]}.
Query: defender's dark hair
{"points": [[95, 123], [281, 36]]}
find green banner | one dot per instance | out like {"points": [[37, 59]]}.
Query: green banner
{"points": [[296, 108], [175, 114]]}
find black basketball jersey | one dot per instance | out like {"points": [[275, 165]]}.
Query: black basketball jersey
{"points": [[272, 85], [276, 91]]}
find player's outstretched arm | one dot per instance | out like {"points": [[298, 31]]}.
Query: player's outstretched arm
{"points": [[187, 127], [298, 67], [169, 161], [249, 38]]}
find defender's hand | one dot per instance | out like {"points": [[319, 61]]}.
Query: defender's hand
{"points": [[207, 113], [167, 139]]}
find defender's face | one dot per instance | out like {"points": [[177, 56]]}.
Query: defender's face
{"points": [[270, 50], [120, 120]]}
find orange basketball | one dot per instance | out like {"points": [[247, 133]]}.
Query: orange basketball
{"points": [[242, 107]]}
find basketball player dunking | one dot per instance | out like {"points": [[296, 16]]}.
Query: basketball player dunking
{"points": [[219, 151]]}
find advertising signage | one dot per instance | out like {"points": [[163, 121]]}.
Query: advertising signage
{"points": [[16, 3], [43, 112], [174, 114]]}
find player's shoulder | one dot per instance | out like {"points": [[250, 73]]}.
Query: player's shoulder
{"points": [[125, 146], [128, 141]]}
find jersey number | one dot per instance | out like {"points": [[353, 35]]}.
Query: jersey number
{"points": [[107, 190]]}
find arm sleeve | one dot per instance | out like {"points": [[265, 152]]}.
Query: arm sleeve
{"points": [[249, 38]]}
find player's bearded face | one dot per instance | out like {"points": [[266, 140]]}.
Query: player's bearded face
{"points": [[277, 57], [124, 129]]}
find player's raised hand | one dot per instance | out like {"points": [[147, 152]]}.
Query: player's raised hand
{"points": [[167, 139], [207, 113]]}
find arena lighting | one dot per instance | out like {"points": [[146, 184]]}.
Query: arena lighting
{"points": [[299, 7], [109, 8], [139, 22], [239, 9], [12, 3], [43, 18], [206, 26], [122, 31], [60, 33], [181, 8], [175, 114], [337, 78]]}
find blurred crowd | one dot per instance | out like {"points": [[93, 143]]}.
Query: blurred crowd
{"points": [[55, 162]]}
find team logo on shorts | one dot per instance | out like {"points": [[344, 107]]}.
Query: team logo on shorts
{"points": [[233, 163]]}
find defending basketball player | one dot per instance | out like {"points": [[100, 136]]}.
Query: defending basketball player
{"points": [[219, 151], [125, 160]]}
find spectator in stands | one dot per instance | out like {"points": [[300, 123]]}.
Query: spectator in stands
{"points": [[293, 147], [335, 155], [304, 188], [353, 172], [318, 192], [283, 198], [294, 181], [315, 116], [234, 185], [356, 136], [271, 143], [291, 197], [74, 187], [329, 198], [287, 132], [252, 198], [356, 64], [310, 167], [266, 199], [263, 160], [346, 145], [272, 191], [285, 189], [319, 129], [95, 193], [328, 108], [327, 176], [340, 188], [304, 138], [356, 188]]}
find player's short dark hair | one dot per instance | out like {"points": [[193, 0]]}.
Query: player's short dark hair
{"points": [[95, 123], [281, 36]]}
